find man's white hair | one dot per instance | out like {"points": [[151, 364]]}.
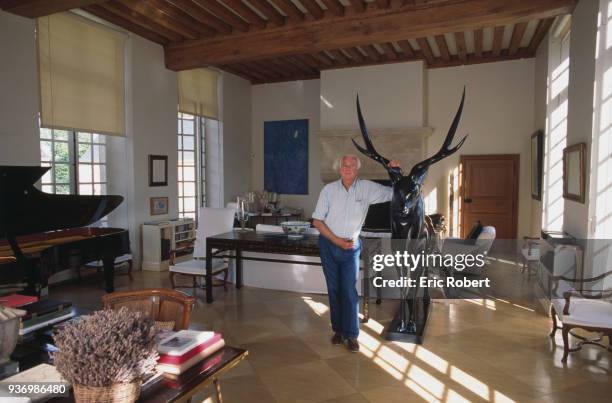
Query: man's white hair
{"points": [[338, 161]]}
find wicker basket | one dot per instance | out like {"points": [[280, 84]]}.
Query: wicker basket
{"points": [[117, 393]]}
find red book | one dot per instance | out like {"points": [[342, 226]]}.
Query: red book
{"points": [[180, 359], [178, 369], [16, 300]]}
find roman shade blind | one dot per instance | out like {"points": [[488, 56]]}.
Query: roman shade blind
{"points": [[198, 92], [81, 73]]}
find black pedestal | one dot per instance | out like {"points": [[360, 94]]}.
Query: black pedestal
{"points": [[415, 335]]}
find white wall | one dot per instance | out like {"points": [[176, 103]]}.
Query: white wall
{"points": [[152, 131], [498, 116], [540, 99], [236, 124], [284, 101], [19, 98], [391, 96], [580, 103]]}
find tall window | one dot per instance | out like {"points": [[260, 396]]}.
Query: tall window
{"points": [[556, 133], [191, 164], [77, 161]]}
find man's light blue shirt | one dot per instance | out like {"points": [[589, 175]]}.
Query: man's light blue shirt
{"points": [[344, 211]]}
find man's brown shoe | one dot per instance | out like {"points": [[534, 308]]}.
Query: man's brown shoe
{"points": [[352, 345], [336, 339]]}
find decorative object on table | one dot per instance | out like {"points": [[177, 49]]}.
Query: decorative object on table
{"points": [[574, 172], [295, 229], [106, 355], [537, 162], [158, 170], [286, 156], [9, 335], [158, 205], [242, 214], [408, 229], [184, 349]]}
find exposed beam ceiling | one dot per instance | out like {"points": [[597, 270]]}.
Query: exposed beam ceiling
{"points": [[378, 26], [40, 8]]}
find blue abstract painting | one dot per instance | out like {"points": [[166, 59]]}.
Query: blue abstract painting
{"points": [[286, 156]]}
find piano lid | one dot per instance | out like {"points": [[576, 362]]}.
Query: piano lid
{"points": [[26, 210]]}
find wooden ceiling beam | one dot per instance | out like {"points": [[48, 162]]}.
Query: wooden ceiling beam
{"points": [[487, 57], [215, 8], [323, 58], [261, 71], [301, 65], [539, 34], [269, 11], [136, 18], [310, 61], [248, 72], [126, 24], [374, 25], [355, 54], [240, 74], [288, 66], [246, 13], [273, 68], [41, 8], [478, 42], [339, 57], [498, 37], [382, 3], [443, 47], [151, 12], [461, 48], [517, 37], [358, 5], [193, 17], [313, 8], [371, 52], [335, 7], [389, 50], [406, 48], [426, 50], [287, 6]]}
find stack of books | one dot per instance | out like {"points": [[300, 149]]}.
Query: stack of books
{"points": [[184, 349], [44, 313], [16, 300]]}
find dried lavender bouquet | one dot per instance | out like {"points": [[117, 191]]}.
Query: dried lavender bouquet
{"points": [[106, 347]]}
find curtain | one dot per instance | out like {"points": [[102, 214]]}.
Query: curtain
{"points": [[81, 73], [198, 93]]}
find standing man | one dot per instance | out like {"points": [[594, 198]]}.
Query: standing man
{"points": [[339, 215]]}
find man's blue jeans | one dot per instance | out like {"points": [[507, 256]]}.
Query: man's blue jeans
{"points": [[341, 269]]}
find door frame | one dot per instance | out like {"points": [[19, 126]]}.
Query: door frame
{"points": [[475, 157]]}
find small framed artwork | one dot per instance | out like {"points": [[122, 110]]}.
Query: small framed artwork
{"points": [[158, 170], [158, 205], [574, 172], [537, 161]]}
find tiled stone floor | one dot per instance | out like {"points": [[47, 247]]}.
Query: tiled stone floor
{"points": [[474, 350]]}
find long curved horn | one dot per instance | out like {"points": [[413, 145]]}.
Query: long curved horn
{"points": [[445, 150], [369, 151]]}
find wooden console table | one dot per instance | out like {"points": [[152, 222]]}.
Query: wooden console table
{"points": [[236, 242]]}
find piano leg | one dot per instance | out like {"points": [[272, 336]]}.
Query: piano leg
{"points": [[109, 273]]}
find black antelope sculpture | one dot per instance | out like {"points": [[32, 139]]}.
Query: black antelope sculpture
{"points": [[408, 227]]}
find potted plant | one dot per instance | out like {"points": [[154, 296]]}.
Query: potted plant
{"points": [[105, 355]]}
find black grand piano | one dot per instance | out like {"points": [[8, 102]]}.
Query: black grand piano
{"points": [[42, 234]]}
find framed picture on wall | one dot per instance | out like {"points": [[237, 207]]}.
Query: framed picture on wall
{"points": [[158, 205], [574, 172], [158, 170], [537, 162]]}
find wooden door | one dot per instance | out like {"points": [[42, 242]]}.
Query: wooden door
{"points": [[489, 190]]}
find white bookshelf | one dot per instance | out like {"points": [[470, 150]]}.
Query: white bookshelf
{"points": [[161, 237]]}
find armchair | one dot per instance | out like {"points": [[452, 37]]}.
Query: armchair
{"points": [[588, 310], [161, 304]]}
